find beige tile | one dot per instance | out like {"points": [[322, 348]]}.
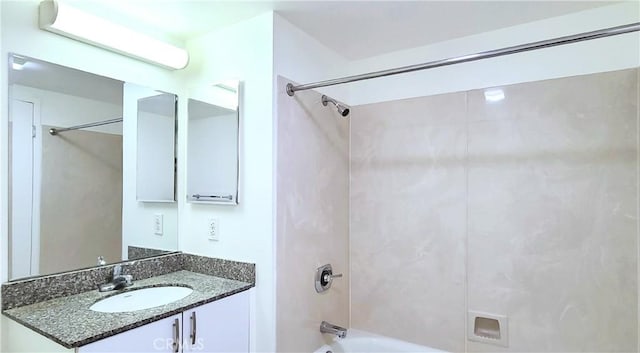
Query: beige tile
{"points": [[407, 221], [553, 217], [81, 200], [440, 109], [312, 219], [580, 97], [537, 221]]}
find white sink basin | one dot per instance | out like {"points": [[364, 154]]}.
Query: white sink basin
{"points": [[140, 299]]}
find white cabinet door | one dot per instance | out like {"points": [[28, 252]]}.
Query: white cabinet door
{"points": [[220, 326], [154, 337]]}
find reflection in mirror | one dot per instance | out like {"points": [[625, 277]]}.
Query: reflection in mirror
{"points": [[156, 148], [212, 156], [67, 171]]}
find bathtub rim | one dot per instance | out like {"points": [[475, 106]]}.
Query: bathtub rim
{"points": [[359, 334]]}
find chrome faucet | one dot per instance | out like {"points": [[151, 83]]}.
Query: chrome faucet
{"points": [[119, 280], [326, 327]]}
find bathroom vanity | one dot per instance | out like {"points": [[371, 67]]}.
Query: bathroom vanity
{"points": [[212, 317], [224, 327]]}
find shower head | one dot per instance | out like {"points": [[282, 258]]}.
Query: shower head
{"points": [[342, 109]]}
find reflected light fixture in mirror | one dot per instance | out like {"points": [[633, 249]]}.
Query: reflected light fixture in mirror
{"points": [[18, 62], [62, 19]]}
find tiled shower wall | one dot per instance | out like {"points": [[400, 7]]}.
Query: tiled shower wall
{"points": [[312, 221], [408, 211], [82, 181], [526, 207]]}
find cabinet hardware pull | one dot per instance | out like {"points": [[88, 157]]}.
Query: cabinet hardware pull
{"points": [[193, 328], [176, 335]]}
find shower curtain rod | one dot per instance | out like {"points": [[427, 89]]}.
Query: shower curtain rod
{"points": [[54, 131], [602, 33]]}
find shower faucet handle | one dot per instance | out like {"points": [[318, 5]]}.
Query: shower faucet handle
{"points": [[324, 278], [328, 277]]}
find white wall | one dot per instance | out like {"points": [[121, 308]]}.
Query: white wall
{"points": [[242, 51], [301, 58], [607, 54]]}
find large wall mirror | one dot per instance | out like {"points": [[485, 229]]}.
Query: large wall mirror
{"points": [[75, 140], [212, 144]]}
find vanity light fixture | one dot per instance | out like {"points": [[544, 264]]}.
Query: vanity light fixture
{"points": [[60, 18], [18, 62], [493, 95]]}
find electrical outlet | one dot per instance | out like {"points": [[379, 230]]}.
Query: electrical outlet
{"points": [[157, 224], [213, 229]]}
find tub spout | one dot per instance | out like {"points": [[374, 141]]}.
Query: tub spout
{"points": [[326, 327]]}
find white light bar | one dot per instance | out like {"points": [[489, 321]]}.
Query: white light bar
{"points": [[60, 18]]}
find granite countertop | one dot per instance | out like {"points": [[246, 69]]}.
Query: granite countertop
{"points": [[69, 322]]}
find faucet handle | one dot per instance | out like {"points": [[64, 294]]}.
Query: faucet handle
{"points": [[324, 278], [328, 277], [122, 281]]}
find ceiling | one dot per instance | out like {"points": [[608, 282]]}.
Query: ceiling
{"points": [[61, 79], [355, 29], [163, 104]]}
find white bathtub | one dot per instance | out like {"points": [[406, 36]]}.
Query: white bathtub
{"points": [[361, 341]]}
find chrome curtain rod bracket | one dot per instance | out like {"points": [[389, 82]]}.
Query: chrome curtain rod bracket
{"points": [[54, 131], [575, 38], [291, 89]]}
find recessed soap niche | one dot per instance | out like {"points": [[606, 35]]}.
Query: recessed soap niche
{"points": [[488, 328]]}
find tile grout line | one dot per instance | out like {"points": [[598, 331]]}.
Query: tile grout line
{"points": [[638, 206], [466, 240], [350, 267]]}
